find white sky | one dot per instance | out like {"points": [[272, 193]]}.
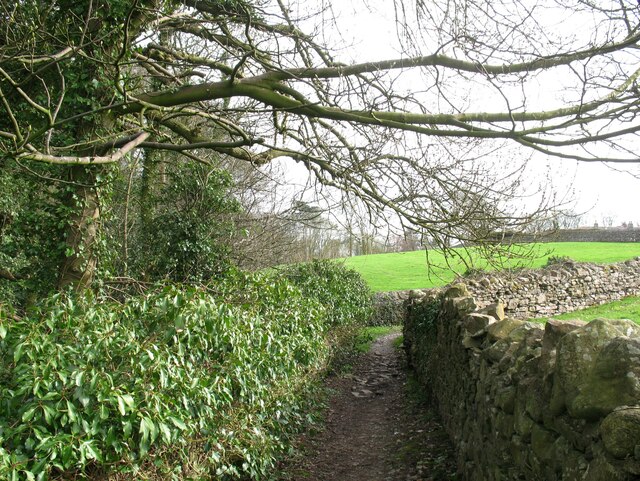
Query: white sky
{"points": [[599, 190]]}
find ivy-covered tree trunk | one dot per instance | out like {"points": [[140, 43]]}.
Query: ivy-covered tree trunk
{"points": [[146, 186], [79, 264], [93, 79]]}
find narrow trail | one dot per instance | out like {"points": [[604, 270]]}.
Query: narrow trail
{"points": [[377, 427]]}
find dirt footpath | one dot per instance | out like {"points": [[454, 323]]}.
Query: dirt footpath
{"points": [[377, 428]]}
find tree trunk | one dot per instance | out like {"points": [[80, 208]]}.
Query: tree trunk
{"points": [[78, 266]]}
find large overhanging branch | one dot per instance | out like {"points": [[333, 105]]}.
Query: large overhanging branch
{"points": [[269, 93], [307, 92], [268, 90], [543, 62]]}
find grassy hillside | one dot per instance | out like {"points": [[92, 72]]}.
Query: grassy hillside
{"points": [[408, 270], [628, 308]]}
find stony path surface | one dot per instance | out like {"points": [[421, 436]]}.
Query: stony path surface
{"points": [[377, 427]]}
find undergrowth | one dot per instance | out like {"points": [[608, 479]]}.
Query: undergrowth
{"points": [[180, 383]]}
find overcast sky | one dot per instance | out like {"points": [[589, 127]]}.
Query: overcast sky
{"points": [[600, 191]]}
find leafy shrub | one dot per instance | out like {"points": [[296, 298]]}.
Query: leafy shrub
{"points": [[421, 330], [32, 218], [182, 383], [427, 313], [387, 310], [555, 260], [474, 272], [347, 299], [341, 291], [186, 226]]}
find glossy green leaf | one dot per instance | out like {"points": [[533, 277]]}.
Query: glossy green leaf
{"points": [[28, 414], [121, 405], [71, 411], [17, 353]]}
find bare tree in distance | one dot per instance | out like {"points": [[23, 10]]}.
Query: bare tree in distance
{"points": [[265, 233], [254, 80], [607, 220]]}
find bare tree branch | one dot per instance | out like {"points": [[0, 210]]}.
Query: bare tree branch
{"points": [[97, 160]]}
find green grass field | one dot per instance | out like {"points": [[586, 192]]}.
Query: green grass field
{"points": [[627, 308], [408, 270]]}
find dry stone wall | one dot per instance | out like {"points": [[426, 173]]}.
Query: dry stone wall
{"points": [[526, 401], [544, 292], [388, 308], [558, 288]]}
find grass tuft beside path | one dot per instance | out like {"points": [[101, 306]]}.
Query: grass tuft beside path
{"points": [[408, 270], [368, 335]]}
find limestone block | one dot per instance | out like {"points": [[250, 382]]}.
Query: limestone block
{"points": [[528, 332], [631, 465], [459, 306], [496, 351], [504, 425], [416, 294], [512, 304], [557, 400], [470, 342], [518, 450], [620, 358], [520, 359], [614, 381], [510, 361], [456, 290], [576, 431], [495, 310], [600, 470], [505, 399], [502, 329], [576, 357], [475, 323], [554, 330], [523, 424], [542, 442], [574, 465], [620, 431]]}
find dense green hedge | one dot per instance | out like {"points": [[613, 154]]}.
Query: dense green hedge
{"points": [[342, 291], [182, 383]]}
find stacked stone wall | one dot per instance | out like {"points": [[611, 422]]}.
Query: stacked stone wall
{"points": [[527, 401], [544, 292], [558, 288]]}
